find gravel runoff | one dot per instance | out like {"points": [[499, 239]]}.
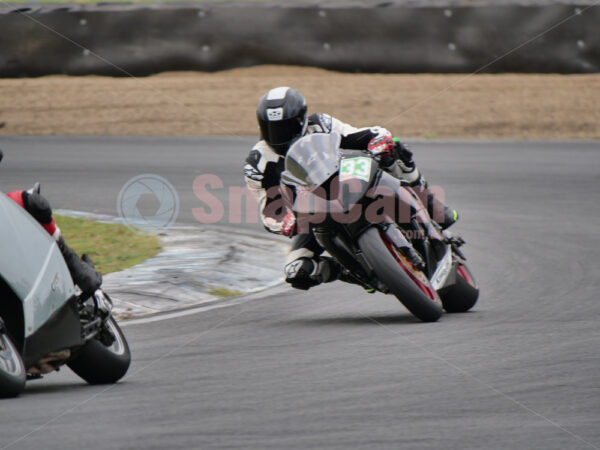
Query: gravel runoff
{"points": [[457, 106]]}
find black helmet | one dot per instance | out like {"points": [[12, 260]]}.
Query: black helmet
{"points": [[282, 117]]}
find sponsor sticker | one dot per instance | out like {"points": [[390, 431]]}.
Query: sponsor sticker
{"points": [[275, 114]]}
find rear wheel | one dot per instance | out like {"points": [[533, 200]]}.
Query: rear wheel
{"points": [[12, 370], [462, 295], [409, 285], [99, 364]]}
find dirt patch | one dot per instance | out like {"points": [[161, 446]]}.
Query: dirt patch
{"points": [[426, 106]]}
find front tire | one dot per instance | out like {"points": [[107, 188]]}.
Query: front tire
{"points": [[410, 286], [98, 364], [12, 370]]}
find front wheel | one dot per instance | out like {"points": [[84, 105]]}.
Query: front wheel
{"points": [[12, 370], [409, 285], [99, 364]]}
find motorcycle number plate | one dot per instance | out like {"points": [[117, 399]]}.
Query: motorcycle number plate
{"points": [[356, 168]]}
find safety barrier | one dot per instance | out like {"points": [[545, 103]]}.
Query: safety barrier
{"points": [[138, 39]]}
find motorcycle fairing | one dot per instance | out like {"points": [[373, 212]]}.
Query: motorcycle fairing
{"points": [[32, 266], [61, 331], [443, 271], [356, 176]]}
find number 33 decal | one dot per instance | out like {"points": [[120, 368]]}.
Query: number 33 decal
{"points": [[356, 168]]}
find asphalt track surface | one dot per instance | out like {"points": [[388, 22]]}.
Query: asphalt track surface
{"points": [[335, 367]]}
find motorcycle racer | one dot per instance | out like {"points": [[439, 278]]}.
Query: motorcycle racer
{"points": [[282, 115]]}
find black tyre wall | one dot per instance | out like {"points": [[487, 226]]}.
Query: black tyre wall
{"points": [[448, 37]]}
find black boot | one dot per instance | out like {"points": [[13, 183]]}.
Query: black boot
{"points": [[298, 273], [450, 217], [305, 273], [84, 275]]}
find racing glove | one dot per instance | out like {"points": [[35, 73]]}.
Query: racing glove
{"points": [[403, 154], [381, 145], [405, 163]]}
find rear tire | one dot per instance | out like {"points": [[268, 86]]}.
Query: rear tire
{"points": [[12, 370], [463, 295], [98, 364], [393, 271]]}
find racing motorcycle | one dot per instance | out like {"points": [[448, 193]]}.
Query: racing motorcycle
{"points": [[376, 227], [45, 320]]}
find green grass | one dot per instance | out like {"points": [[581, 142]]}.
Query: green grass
{"points": [[223, 292], [113, 247]]}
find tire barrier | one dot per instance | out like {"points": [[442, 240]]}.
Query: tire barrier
{"points": [[120, 40]]}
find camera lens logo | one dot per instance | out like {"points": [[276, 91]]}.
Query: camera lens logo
{"points": [[148, 203]]}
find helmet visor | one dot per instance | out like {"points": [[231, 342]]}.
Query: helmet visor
{"points": [[281, 131]]}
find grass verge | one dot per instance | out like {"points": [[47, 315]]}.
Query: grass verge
{"points": [[113, 247], [223, 292]]}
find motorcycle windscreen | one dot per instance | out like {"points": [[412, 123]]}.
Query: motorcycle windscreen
{"points": [[312, 160]]}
